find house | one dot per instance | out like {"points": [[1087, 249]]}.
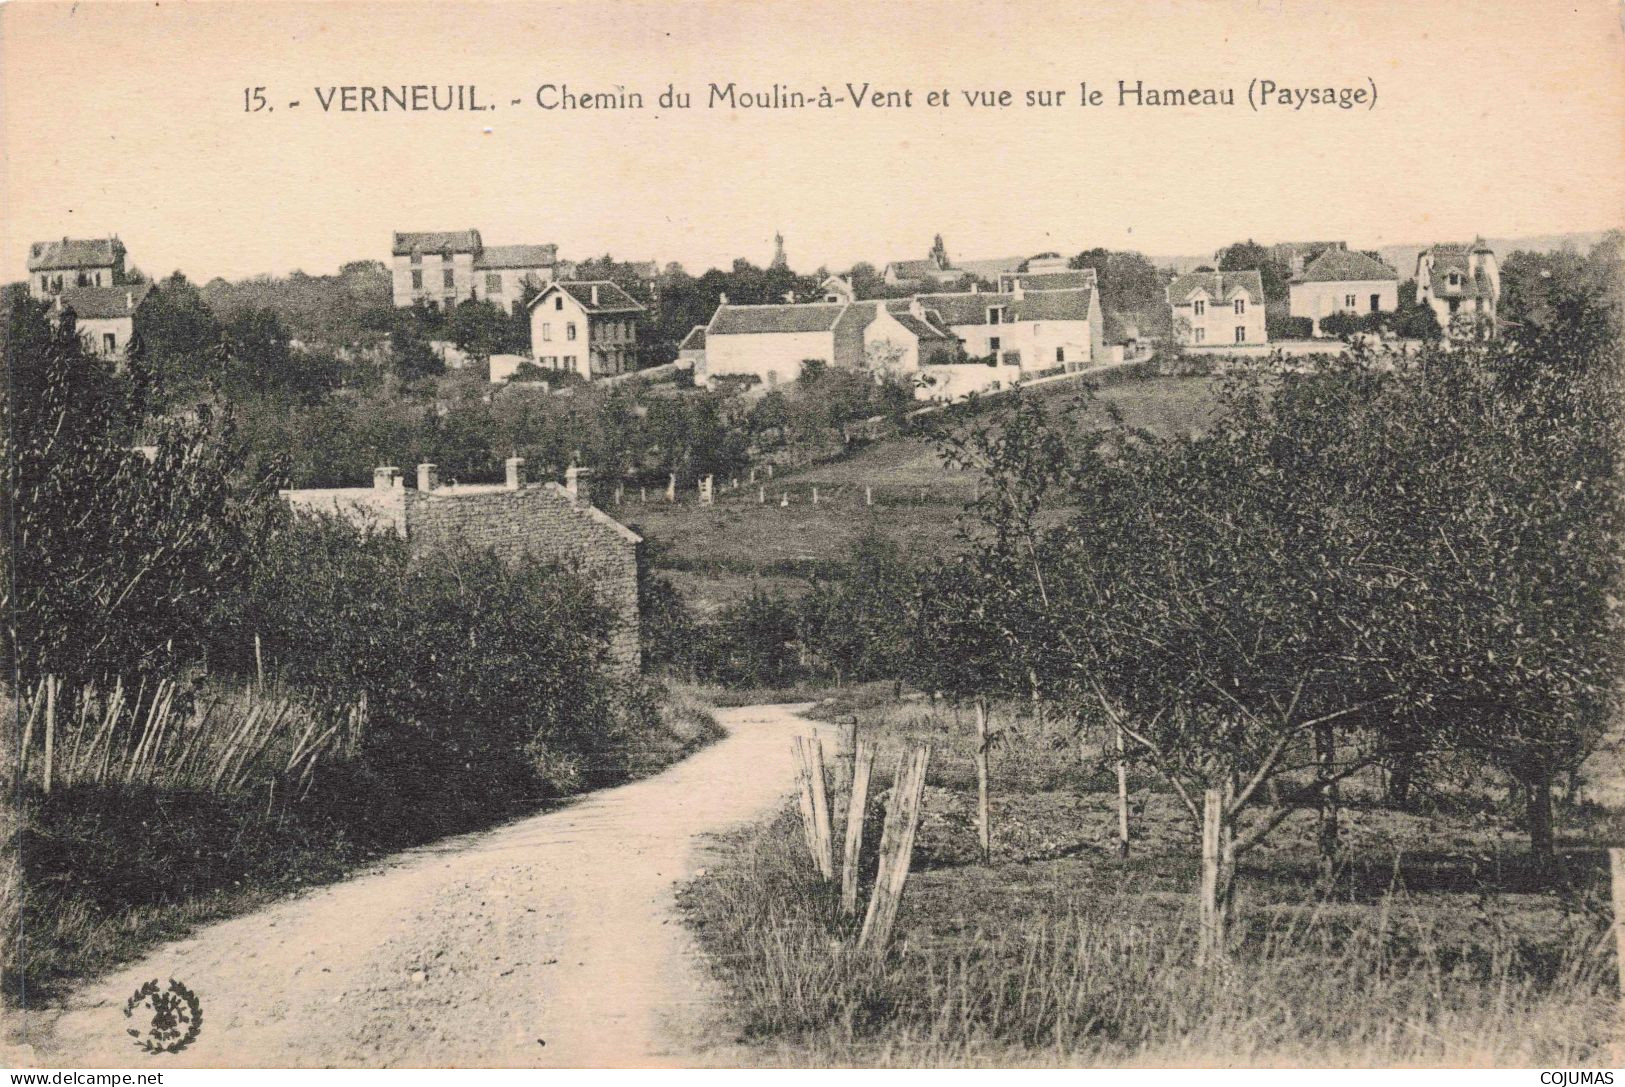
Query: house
{"points": [[56, 266], [902, 335], [837, 289], [1296, 256], [443, 268], [588, 328], [104, 316], [1343, 281], [936, 269], [770, 342], [1061, 279], [1218, 308], [692, 351], [503, 273], [519, 521], [1461, 283], [1035, 330]]}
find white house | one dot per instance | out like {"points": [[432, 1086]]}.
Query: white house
{"points": [[1343, 281], [1216, 309], [770, 342], [903, 335], [1457, 280], [589, 328], [56, 266], [104, 316], [1034, 330]]}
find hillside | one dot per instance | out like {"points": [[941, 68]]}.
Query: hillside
{"points": [[750, 538]]}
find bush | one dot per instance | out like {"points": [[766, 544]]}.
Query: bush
{"points": [[1284, 327]]}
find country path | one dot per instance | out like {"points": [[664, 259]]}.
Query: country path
{"points": [[560, 929]]}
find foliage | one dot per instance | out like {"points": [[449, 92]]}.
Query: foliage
{"points": [[1249, 255]]}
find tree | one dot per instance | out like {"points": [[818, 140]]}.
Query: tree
{"points": [[480, 328], [1248, 255], [177, 345]]}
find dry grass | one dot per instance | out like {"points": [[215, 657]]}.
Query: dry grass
{"points": [[1438, 945]]}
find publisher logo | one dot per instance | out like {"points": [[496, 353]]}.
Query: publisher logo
{"points": [[163, 1019]]}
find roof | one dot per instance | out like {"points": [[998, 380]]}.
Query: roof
{"points": [[74, 253], [435, 241], [104, 303], [1049, 281], [611, 298], [694, 341], [1456, 258], [1339, 265], [518, 256], [923, 328], [970, 307], [731, 320], [913, 269], [1219, 285]]}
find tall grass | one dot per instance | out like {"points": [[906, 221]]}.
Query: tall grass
{"points": [[230, 741], [1108, 977]]}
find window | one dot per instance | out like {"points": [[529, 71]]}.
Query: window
{"points": [[449, 277], [558, 301], [1060, 354], [992, 343], [1241, 333], [109, 342], [98, 279], [44, 283], [1199, 307], [547, 331], [570, 331], [1201, 334], [417, 280], [417, 256], [1241, 306], [493, 282], [570, 363], [1455, 279], [1376, 303], [1348, 301], [1455, 304], [994, 315]]}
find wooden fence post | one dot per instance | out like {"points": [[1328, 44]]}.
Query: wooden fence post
{"points": [[815, 804], [984, 817], [1211, 921], [896, 849], [1122, 796], [857, 807], [1616, 871], [50, 728]]}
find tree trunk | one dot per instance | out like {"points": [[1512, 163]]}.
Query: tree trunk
{"points": [[1122, 797], [1540, 817], [1218, 876], [984, 827], [1401, 773], [1326, 770]]}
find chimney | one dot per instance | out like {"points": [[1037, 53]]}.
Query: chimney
{"points": [[428, 478], [975, 288], [516, 473], [722, 298], [384, 479], [129, 300], [594, 289], [578, 484]]}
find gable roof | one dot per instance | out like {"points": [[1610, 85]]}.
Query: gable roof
{"points": [[923, 328], [1455, 258], [611, 298], [104, 303], [912, 269], [74, 253], [434, 241], [1049, 281], [518, 256], [1220, 285], [970, 307], [734, 320], [694, 341], [1338, 265]]}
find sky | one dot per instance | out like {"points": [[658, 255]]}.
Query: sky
{"points": [[1498, 117]]}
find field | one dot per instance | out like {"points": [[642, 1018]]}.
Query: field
{"points": [[716, 554], [1438, 945]]}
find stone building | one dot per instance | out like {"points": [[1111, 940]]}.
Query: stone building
{"points": [[519, 521], [445, 267], [56, 266]]}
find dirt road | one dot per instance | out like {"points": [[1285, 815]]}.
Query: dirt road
{"points": [[552, 941]]}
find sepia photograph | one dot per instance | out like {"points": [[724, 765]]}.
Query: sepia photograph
{"points": [[674, 534]]}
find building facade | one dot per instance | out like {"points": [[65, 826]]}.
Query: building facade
{"points": [[519, 521], [442, 268], [1462, 285], [1343, 281], [57, 266], [1033, 330], [770, 342], [105, 317], [505, 274], [1218, 309], [587, 328]]}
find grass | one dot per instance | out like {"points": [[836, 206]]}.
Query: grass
{"points": [[1438, 945], [109, 870]]}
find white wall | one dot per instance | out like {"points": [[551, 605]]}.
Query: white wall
{"points": [[1219, 320], [550, 343], [958, 382], [1317, 300], [774, 357]]}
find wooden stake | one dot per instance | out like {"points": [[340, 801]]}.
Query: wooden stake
{"points": [[259, 662], [821, 828], [984, 819], [1122, 796], [804, 792], [896, 850], [1212, 814], [868, 496], [50, 728], [857, 809], [1616, 869]]}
